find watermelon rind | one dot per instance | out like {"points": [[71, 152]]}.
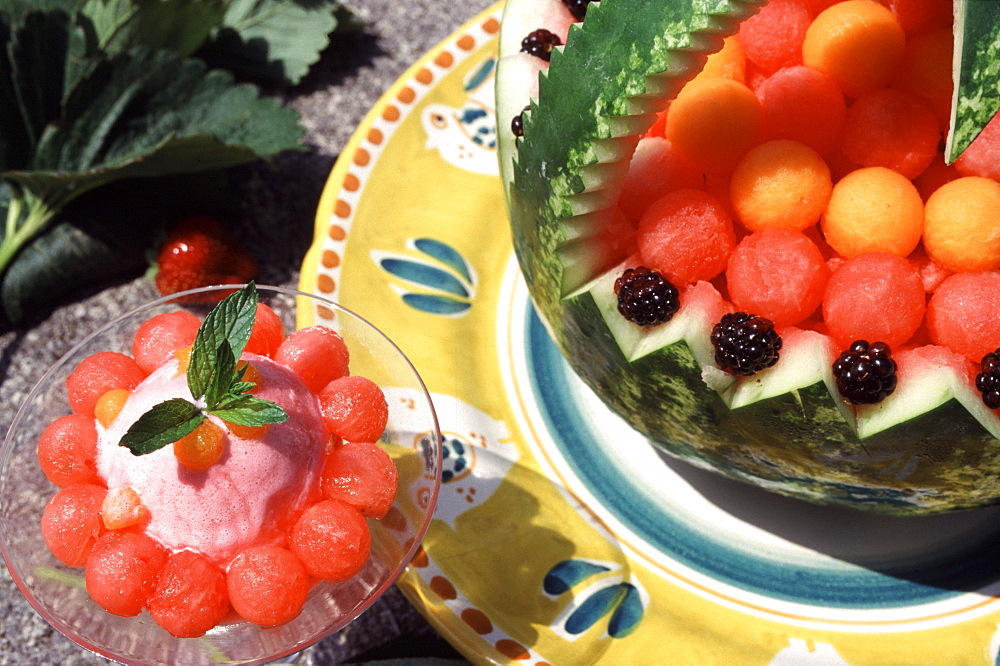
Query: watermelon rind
{"points": [[931, 449], [975, 71]]}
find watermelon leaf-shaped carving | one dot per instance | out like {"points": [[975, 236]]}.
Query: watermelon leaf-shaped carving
{"points": [[976, 72]]}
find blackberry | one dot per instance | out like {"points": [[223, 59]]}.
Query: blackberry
{"points": [[645, 297], [745, 343], [517, 124], [578, 8], [988, 381], [540, 43], [866, 374]]}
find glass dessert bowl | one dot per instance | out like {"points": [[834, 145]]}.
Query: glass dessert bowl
{"points": [[59, 593]]}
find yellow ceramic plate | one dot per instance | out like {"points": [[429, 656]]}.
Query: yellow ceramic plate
{"points": [[561, 536]]}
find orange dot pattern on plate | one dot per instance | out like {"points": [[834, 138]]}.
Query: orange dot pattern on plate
{"points": [[477, 619], [443, 588], [330, 259], [375, 136], [512, 649], [444, 59], [406, 95], [466, 43]]}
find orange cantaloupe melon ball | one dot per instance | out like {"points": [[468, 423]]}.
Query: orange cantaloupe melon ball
{"points": [[961, 230], [873, 209], [730, 61], [780, 184], [713, 122], [857, 42]]}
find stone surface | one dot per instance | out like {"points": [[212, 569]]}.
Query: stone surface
{"points": [[277, 207]]}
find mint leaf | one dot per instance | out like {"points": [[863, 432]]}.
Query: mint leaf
{"points": [[213, 376], [248, 410], [164, 424], [229, 323]]}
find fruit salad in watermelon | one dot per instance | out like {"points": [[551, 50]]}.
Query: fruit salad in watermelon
{"points": [[267, 493], [739, 222]]}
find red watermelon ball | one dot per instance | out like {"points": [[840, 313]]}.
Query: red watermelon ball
{"points": [[71, 522], [190, 595], [962, 314], [687, 236], [779, 274], [332, 540], [267, 585], [877, 297], [122, 570]]}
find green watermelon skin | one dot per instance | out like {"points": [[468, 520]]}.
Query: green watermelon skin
{"points": [[565, 179]]}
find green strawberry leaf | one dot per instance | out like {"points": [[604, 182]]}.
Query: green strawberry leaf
{"points": [[248, 410], [143, 114], [37, 52], [164, 424], [180, 25], [272, 40], [976, 72]]}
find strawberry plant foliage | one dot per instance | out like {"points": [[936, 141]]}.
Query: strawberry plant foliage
{"points": [[95, 92]]}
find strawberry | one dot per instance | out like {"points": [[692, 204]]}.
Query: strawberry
{"points": [[199, 252]]}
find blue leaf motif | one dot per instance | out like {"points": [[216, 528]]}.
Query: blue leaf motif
{"points": [[427, 276], [446, 254], [628, 615], [568, 573], [434, 304], [593, 609], [480, 75]]}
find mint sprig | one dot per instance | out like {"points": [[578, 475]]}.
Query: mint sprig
{"points": [[214, 379]]}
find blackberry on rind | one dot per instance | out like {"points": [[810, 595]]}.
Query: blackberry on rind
{"points": [[865, 373], [517, 122], [645, 297], [988, 380], [578, 8], [540, 43], [745, 343]]}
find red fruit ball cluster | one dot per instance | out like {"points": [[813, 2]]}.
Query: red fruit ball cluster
{"points": [[187, 594]]}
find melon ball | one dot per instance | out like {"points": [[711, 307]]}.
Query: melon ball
{"points": [[876, 297], [925, 71], [267, 585], [713, 122], [687, 236], [893, 129], [655, 170], [857, 42], [803, 104], [779, 274], [730, 61], [961, 229], [918, 15], [873, 210], [962, 314], [780, 184], [772, 38]]}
